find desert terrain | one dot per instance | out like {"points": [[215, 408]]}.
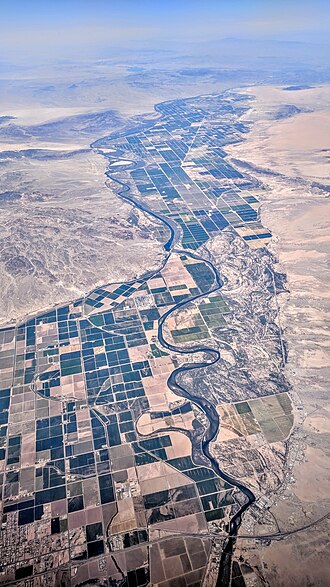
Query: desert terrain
{"points": [[288, 150], [62, 230]]}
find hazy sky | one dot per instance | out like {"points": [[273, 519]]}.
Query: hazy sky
{"points": [[56, 27]]}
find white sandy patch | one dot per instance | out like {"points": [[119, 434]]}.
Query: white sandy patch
{"points": [[41, 115], [121, 162], [45, 145]]}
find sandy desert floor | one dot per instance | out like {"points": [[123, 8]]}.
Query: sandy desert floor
{"points": [[291, 157]]}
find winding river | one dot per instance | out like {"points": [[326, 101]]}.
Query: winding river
{"points": [[213, 356]]}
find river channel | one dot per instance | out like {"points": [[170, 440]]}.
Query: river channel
{"points": [[213, 356]]}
